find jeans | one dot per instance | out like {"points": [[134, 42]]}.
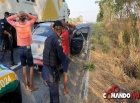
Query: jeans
{"points": [[26, 56]]}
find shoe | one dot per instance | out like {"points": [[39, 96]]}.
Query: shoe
{"points": [[12, 63]]}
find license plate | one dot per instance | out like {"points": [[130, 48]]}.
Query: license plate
{"points": [[38, 62]]}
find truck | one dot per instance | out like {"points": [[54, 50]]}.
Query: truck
{"points": [[45, 10]]}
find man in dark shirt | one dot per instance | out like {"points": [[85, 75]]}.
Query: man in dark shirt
{"points": [[53, 57], [7, 37]]}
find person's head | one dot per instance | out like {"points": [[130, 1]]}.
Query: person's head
{"points": [[58, 27], [6, 14], [22, 17]]}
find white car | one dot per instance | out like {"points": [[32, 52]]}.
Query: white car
{"points": [[43, 30]]}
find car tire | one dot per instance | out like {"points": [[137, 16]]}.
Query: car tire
{"points": [[11, 98]]}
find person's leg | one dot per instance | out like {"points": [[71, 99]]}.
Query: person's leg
{"points": [[30, 64], [65, 82], [11, 54], [32, 87], [65, 75], [26, 77], [23, 63], [54, 92], [10, 49]]}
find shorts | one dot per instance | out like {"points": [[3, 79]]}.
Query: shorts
{"points": [[66, 64], [26, 57]]}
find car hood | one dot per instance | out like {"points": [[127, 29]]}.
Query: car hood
{"points": [[8, 80], [38, 46]]}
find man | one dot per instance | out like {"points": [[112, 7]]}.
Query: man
{"points": [[24, 40], [65, 37], [7, 37], [53, 57]]}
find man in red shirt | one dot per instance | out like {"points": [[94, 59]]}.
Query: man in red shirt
{"points": [[65, 37]]}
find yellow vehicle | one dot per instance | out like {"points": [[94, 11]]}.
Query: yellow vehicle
{"points": [[10, 91], [46, 10]]}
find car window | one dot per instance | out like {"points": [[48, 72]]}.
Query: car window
{"points": [[77, 34], [43, 31]]}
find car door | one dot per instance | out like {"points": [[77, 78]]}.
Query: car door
{"points": [[77, 42]]}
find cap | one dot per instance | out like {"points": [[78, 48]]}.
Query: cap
{"points": [[6, 14], [57, 23]]}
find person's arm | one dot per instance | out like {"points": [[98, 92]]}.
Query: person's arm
{"points": [[72, 26], [58, 47], [7, 33], [51, 26], [11, 19], [32, 18]]}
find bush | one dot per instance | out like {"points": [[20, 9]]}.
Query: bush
{"points": [[105, 48], [93, 48], [88, 66], [101, 42], [92, 40]]}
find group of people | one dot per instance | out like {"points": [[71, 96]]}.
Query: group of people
{"points": [[55, 54]]}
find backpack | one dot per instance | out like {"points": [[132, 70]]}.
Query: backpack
{"points": [[1, 27]]}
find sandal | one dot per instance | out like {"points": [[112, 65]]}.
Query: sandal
{"points": [[33, 88]]}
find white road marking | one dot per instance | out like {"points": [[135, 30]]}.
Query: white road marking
{"points": [[15, 66]]}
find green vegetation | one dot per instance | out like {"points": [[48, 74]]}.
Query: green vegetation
{"points": [[105, 48], [88, 66], [93, 48], [118, 21]]}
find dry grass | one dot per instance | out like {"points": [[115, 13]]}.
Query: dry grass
{"points": [[109, 72], [120, 65]]}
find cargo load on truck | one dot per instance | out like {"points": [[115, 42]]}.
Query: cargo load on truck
{"points": [[46, 10]]}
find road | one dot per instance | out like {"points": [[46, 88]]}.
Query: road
{"points": [[42, 94]]}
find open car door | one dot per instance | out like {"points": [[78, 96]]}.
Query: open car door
{"points": [[77, 42]]}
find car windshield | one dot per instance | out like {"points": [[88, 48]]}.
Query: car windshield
{"points": [[43, 31]]}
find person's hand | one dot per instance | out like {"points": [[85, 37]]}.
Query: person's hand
{"points": [[61, 37], [64, 23], [9, 35], [22, 14]]}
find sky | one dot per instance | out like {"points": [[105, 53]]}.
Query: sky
{"points": [[86, 8]]}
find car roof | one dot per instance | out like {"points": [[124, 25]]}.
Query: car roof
{"points": [[45, 24], [82, 25]]}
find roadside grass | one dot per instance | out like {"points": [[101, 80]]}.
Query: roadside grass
{"points": [[105, 48], [93, 48], [116, 63], [109, 72], [88, 66]]}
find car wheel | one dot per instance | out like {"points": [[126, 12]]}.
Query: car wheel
{"points": [[11, 98]]}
